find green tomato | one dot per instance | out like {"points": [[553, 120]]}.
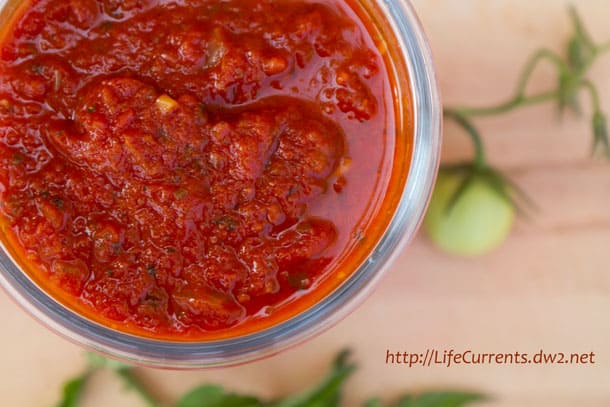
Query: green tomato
{"points": [[479, 221]]}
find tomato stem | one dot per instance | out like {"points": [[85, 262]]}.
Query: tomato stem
{"points": [[571, 71], [579, 27], [505, 107], [477, 140], [593, 93]]}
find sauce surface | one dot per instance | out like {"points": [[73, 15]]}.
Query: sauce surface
{"points": [[181, 169]]}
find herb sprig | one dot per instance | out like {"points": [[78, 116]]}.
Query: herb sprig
{"points": [[328, 393], [572, 70]]}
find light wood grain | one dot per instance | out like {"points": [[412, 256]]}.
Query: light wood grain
{"points": [[547, 287]]}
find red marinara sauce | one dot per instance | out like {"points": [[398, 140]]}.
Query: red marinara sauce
{"points": [[192, 169]]}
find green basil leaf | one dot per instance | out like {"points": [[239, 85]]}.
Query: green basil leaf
{"points": [[215, 396], [372, 403], [326, 394], [439, 399], [72, 391]]}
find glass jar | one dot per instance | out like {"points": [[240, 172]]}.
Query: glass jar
{"points": [[415, 89]]}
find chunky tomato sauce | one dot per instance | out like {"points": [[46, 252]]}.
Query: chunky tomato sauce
{"points": [[190, 168]]}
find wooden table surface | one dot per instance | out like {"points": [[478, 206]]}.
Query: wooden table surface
{"points": [[548, 287]]}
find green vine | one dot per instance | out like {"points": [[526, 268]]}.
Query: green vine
{"points": [[572, 70]]}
